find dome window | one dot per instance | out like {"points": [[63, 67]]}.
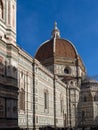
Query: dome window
{"points": [[67, 70]]}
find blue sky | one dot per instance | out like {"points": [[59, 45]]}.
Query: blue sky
{"points": [[77, 21]]}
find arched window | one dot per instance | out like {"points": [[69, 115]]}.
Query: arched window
{"points": [[95, 98], [46, 98], [1, 9], [71, 82], [83, 115], [22, 99], [85, 99], [61, 103]]}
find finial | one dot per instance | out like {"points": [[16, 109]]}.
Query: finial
{"points": [[55, 32], [55, 25]]}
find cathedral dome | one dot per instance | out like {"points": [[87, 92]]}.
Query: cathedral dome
{"points": [[56, 47]]}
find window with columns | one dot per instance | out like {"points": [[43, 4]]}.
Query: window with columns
{"points": [[85, 99], [95, 98], [22, 91], [61, 104], [1, 9], [22, 99], [46, 98]]}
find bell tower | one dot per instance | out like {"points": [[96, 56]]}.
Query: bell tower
{"points": [[8, 21]]}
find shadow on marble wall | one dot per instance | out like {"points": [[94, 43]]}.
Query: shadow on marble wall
{"points": [[8, 97]]}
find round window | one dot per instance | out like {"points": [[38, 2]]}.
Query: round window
{"points": [[67, 70]]}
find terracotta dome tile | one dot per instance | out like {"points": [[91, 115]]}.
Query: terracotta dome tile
{"points": [[63, 48]]}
